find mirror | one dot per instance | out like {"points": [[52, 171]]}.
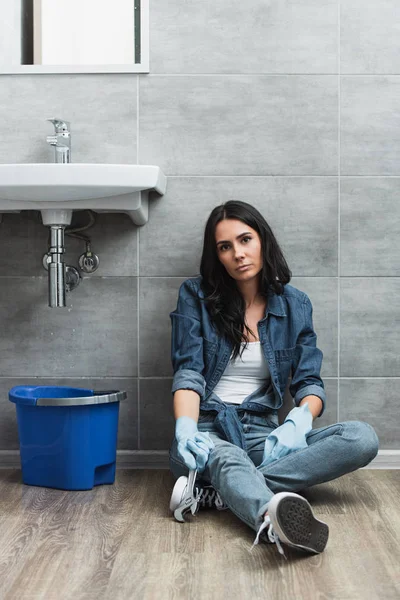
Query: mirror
{"points": [[74, 36]]}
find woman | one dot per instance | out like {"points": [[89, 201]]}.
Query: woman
{"points": [[238, 332]]}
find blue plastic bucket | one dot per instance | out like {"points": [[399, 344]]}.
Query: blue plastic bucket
{"points": [[68, 436]]}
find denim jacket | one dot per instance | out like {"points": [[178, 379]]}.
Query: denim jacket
{"points": [[288, 341]]}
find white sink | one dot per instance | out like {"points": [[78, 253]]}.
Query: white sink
{"points": [[58, 189]]}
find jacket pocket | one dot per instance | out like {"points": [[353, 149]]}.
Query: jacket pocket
{"points": [[286, 354], [283, 359]]}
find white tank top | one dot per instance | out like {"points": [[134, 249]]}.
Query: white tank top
{"points": [[244, 375]]}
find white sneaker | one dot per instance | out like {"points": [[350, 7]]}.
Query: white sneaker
{"points": [[206, 495], [290, 520]]}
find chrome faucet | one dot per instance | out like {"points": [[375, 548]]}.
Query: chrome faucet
{"points": [[61, 140]]}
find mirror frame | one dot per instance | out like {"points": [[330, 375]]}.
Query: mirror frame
{"points": [[140, 67]]}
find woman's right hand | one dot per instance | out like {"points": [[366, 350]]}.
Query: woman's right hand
{"points": [[193, 445]]}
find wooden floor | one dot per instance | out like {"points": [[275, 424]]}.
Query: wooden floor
{"points": [[120, 543]]}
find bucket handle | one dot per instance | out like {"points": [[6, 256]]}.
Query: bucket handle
{"points": [[99, 398]]}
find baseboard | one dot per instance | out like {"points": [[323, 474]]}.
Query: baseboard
{"points": [[386, 459], [142, 459], [126, 459], [158, 459]]}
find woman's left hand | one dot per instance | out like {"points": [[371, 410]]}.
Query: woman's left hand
{"points": [[288, 437]]}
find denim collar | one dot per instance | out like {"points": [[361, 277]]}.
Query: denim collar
{"points": [[275, 304]]}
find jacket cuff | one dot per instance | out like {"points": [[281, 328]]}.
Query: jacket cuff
{"points": [[311, 390], [187, 379]]}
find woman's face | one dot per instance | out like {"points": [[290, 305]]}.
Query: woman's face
{"points": [[239, 249]]}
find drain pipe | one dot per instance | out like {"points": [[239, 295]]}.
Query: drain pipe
{"points": [[56, 266], [61, 278]]}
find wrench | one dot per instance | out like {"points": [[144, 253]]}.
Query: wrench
{"points": [[188, 502]]}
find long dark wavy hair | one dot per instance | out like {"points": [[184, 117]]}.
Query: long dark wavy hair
{"points": [[223, 299]]}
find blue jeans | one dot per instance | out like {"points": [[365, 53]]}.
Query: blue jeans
{"points": [[247, 489]]}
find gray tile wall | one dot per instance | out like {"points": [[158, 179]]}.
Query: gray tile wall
{"points": [[289, 106]]}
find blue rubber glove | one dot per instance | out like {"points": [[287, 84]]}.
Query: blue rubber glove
{"points": [[193, 445], [290, 436]]}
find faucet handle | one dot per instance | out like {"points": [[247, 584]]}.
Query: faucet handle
{"points": [[52, 140], [60, 125]]}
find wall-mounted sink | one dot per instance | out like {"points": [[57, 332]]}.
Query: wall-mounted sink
{"points": [[58, 189]]}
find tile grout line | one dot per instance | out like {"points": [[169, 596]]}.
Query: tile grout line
{"points": [[137, 119], [281, 175], [138, 343], [339, 209], [170, 377], [280, 74], [247, 74], [138, 277], [196, 274]]}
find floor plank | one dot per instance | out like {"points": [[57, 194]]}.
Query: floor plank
{"points": [[120, 542]]}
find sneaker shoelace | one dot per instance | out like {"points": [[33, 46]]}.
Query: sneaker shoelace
{"points": [[208, 496], [272, 535]]}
